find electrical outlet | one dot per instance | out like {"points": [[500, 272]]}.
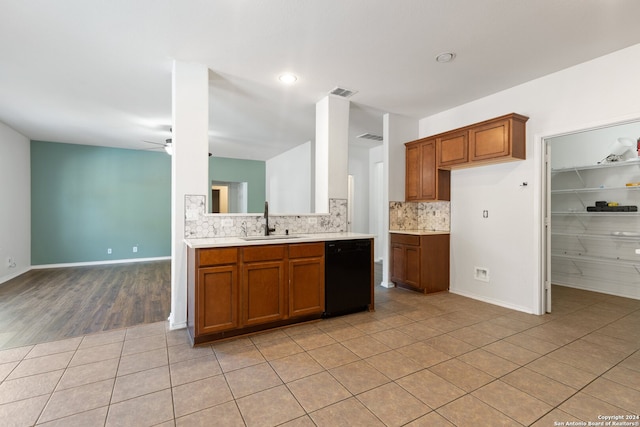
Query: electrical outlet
{"points": [[312, 220], [11, 262], [228, 222], [481, 273], [135, 249], [109, 251]]}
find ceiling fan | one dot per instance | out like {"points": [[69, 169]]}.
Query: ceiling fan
{"points": [[167, 146]]}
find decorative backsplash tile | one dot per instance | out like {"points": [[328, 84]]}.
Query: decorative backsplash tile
{"points": [[424, 216], [199, 224]]}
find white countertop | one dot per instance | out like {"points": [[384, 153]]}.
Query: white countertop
{"points": [[218, 242], [419, 232]]}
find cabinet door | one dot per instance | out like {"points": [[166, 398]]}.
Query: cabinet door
{"points": [[490, 141], [453, 149], [397, 263], [306, 286], [405, 264], [428, 170], [412, 266], [263, 292], [217, 300], [412, 172]]}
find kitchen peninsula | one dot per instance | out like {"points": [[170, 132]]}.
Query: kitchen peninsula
{"points": [[241, 285]]}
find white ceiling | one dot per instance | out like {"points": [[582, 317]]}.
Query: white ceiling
{"points": [[99, 72]]}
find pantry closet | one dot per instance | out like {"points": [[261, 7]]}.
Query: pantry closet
{"points": [[594, 195]]}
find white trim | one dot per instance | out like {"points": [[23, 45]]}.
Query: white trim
{"points": [[83, 264], [492, 301]]}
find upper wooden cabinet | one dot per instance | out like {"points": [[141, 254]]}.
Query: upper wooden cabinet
{"points": [[423, 180], [493, 141], [453, 148], [429, 160], [498, 140]]}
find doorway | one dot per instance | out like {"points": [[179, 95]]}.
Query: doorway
{"points": [[590, 227], [229, 197]]}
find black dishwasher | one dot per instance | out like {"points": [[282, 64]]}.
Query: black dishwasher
{"points": [[347, 275]]}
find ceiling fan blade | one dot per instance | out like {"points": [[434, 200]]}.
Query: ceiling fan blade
{"points": [[155, 143]]}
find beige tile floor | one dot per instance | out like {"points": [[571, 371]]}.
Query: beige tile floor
{"points": [[437, 360]]}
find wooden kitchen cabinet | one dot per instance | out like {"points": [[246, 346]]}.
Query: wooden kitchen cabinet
{"points": [[263, 284], [237, 290], [423, 181], [420, 262], [306, 279], [213, 303], [453, 149], [497, 140], [429, 160]]}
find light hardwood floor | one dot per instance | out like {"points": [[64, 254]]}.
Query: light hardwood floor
{"points": [[52, 304]]}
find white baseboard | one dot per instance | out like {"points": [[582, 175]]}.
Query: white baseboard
{"points": [[84, 264], [492, 301]]}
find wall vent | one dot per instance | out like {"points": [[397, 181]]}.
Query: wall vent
{"points": [[370, 136], [345, 93]]}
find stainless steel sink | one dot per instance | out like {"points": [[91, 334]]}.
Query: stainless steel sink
{"points": [[271, 237]]}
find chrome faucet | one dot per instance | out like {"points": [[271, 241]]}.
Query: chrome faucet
{"points": [[267, 230]]}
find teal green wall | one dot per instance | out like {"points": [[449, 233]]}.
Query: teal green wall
{"points": [[85, 199], [238, 170]]}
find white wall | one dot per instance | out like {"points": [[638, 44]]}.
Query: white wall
{"points": [[288, 180], [15, 193], [508, 242], [359, 168]]}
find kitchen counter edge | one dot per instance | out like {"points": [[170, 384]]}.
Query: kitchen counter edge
{"points": [[419, 232], [219, 242]]}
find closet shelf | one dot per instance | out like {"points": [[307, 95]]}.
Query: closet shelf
{"points": [[596, 214], [598, 166], [600, 260], [608, 237], [593, 190]]}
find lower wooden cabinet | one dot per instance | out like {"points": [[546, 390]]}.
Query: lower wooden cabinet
{"points": [[420, 262], [218, 304], [237, 290], [263, 284], [306, 279]]}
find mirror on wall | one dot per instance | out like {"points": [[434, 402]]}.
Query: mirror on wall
{"points": [[287, 181]]}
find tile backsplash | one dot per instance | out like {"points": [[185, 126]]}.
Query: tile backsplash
{"points": [[423, 216], [200, 224]]}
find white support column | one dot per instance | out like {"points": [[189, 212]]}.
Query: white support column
{"points": [[189, 169], [332, 162], [396, 131]]}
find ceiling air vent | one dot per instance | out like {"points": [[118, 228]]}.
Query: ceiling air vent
{"points": [[345, 93], [370, 136]]}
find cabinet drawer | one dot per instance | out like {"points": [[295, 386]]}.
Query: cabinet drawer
{"points": [[306, 250], [263, 253], [405, 239], [222, 256]]}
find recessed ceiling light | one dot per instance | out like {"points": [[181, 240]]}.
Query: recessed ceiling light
{"points": [[445, 57], [288, 78]]}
